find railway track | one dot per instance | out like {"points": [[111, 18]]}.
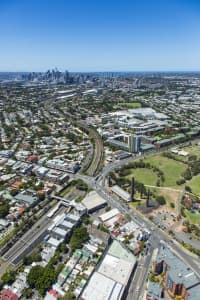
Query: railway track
{"points": [[98, 153]]}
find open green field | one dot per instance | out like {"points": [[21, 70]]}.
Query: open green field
{"points": [[66, 191], [193, 150], [137, 203], [193, 218], [145, 176], [172, 169], [194, 183], [128, 105]]}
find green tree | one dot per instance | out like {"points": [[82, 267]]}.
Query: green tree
{"points": [[172, 205], [161, 200], [8, 277], [27, 293], [44, 282], [79, 236], [188, 189], [34, 275], [4, 209], [187, 174], [34, 257]]}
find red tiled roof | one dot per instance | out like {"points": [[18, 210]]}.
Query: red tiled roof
{"points": [[53, 293], [33, 157], [8, 295]]}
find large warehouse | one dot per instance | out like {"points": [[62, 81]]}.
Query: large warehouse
{"points": [[93, 202], [112, 277]]}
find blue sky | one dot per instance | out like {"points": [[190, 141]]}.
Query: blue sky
{"points": [[99, 35]]}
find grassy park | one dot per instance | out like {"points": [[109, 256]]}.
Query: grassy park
{"points": [[145, 176], [172, 169], [149, 176], [193, 150], [194, 183], [194, 218], [160, 174], [128, 105]]}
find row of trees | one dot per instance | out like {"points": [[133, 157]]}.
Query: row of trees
{"points": [[193, 168], [192, 228], [142, 164]]}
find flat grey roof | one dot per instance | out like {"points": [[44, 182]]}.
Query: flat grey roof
{"points": [[102, 288], [60, 231], [194, 293], [54, 242], [25, 198], [93, 200], [67, 224], [121, 193], [179, 272], [154, 289]]}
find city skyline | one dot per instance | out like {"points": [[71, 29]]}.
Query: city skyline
{"points": [[89, 37]]}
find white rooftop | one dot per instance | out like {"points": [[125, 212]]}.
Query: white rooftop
{"points": [[60, 231], [108, 215], [54, 242], [116, 268], [93, 200], [101, 288]]}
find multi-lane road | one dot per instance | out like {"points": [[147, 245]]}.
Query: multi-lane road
{"points": [[28, 241], [140, 277]]}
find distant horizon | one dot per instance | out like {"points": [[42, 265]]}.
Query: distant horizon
{"points": [[106, 71]]}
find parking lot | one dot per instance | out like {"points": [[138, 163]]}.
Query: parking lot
{"points": [[164, 219]]}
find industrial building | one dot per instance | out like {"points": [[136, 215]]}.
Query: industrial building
{"points": [[121, 193], [110, 214], [93, 202], [111, 279]]}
